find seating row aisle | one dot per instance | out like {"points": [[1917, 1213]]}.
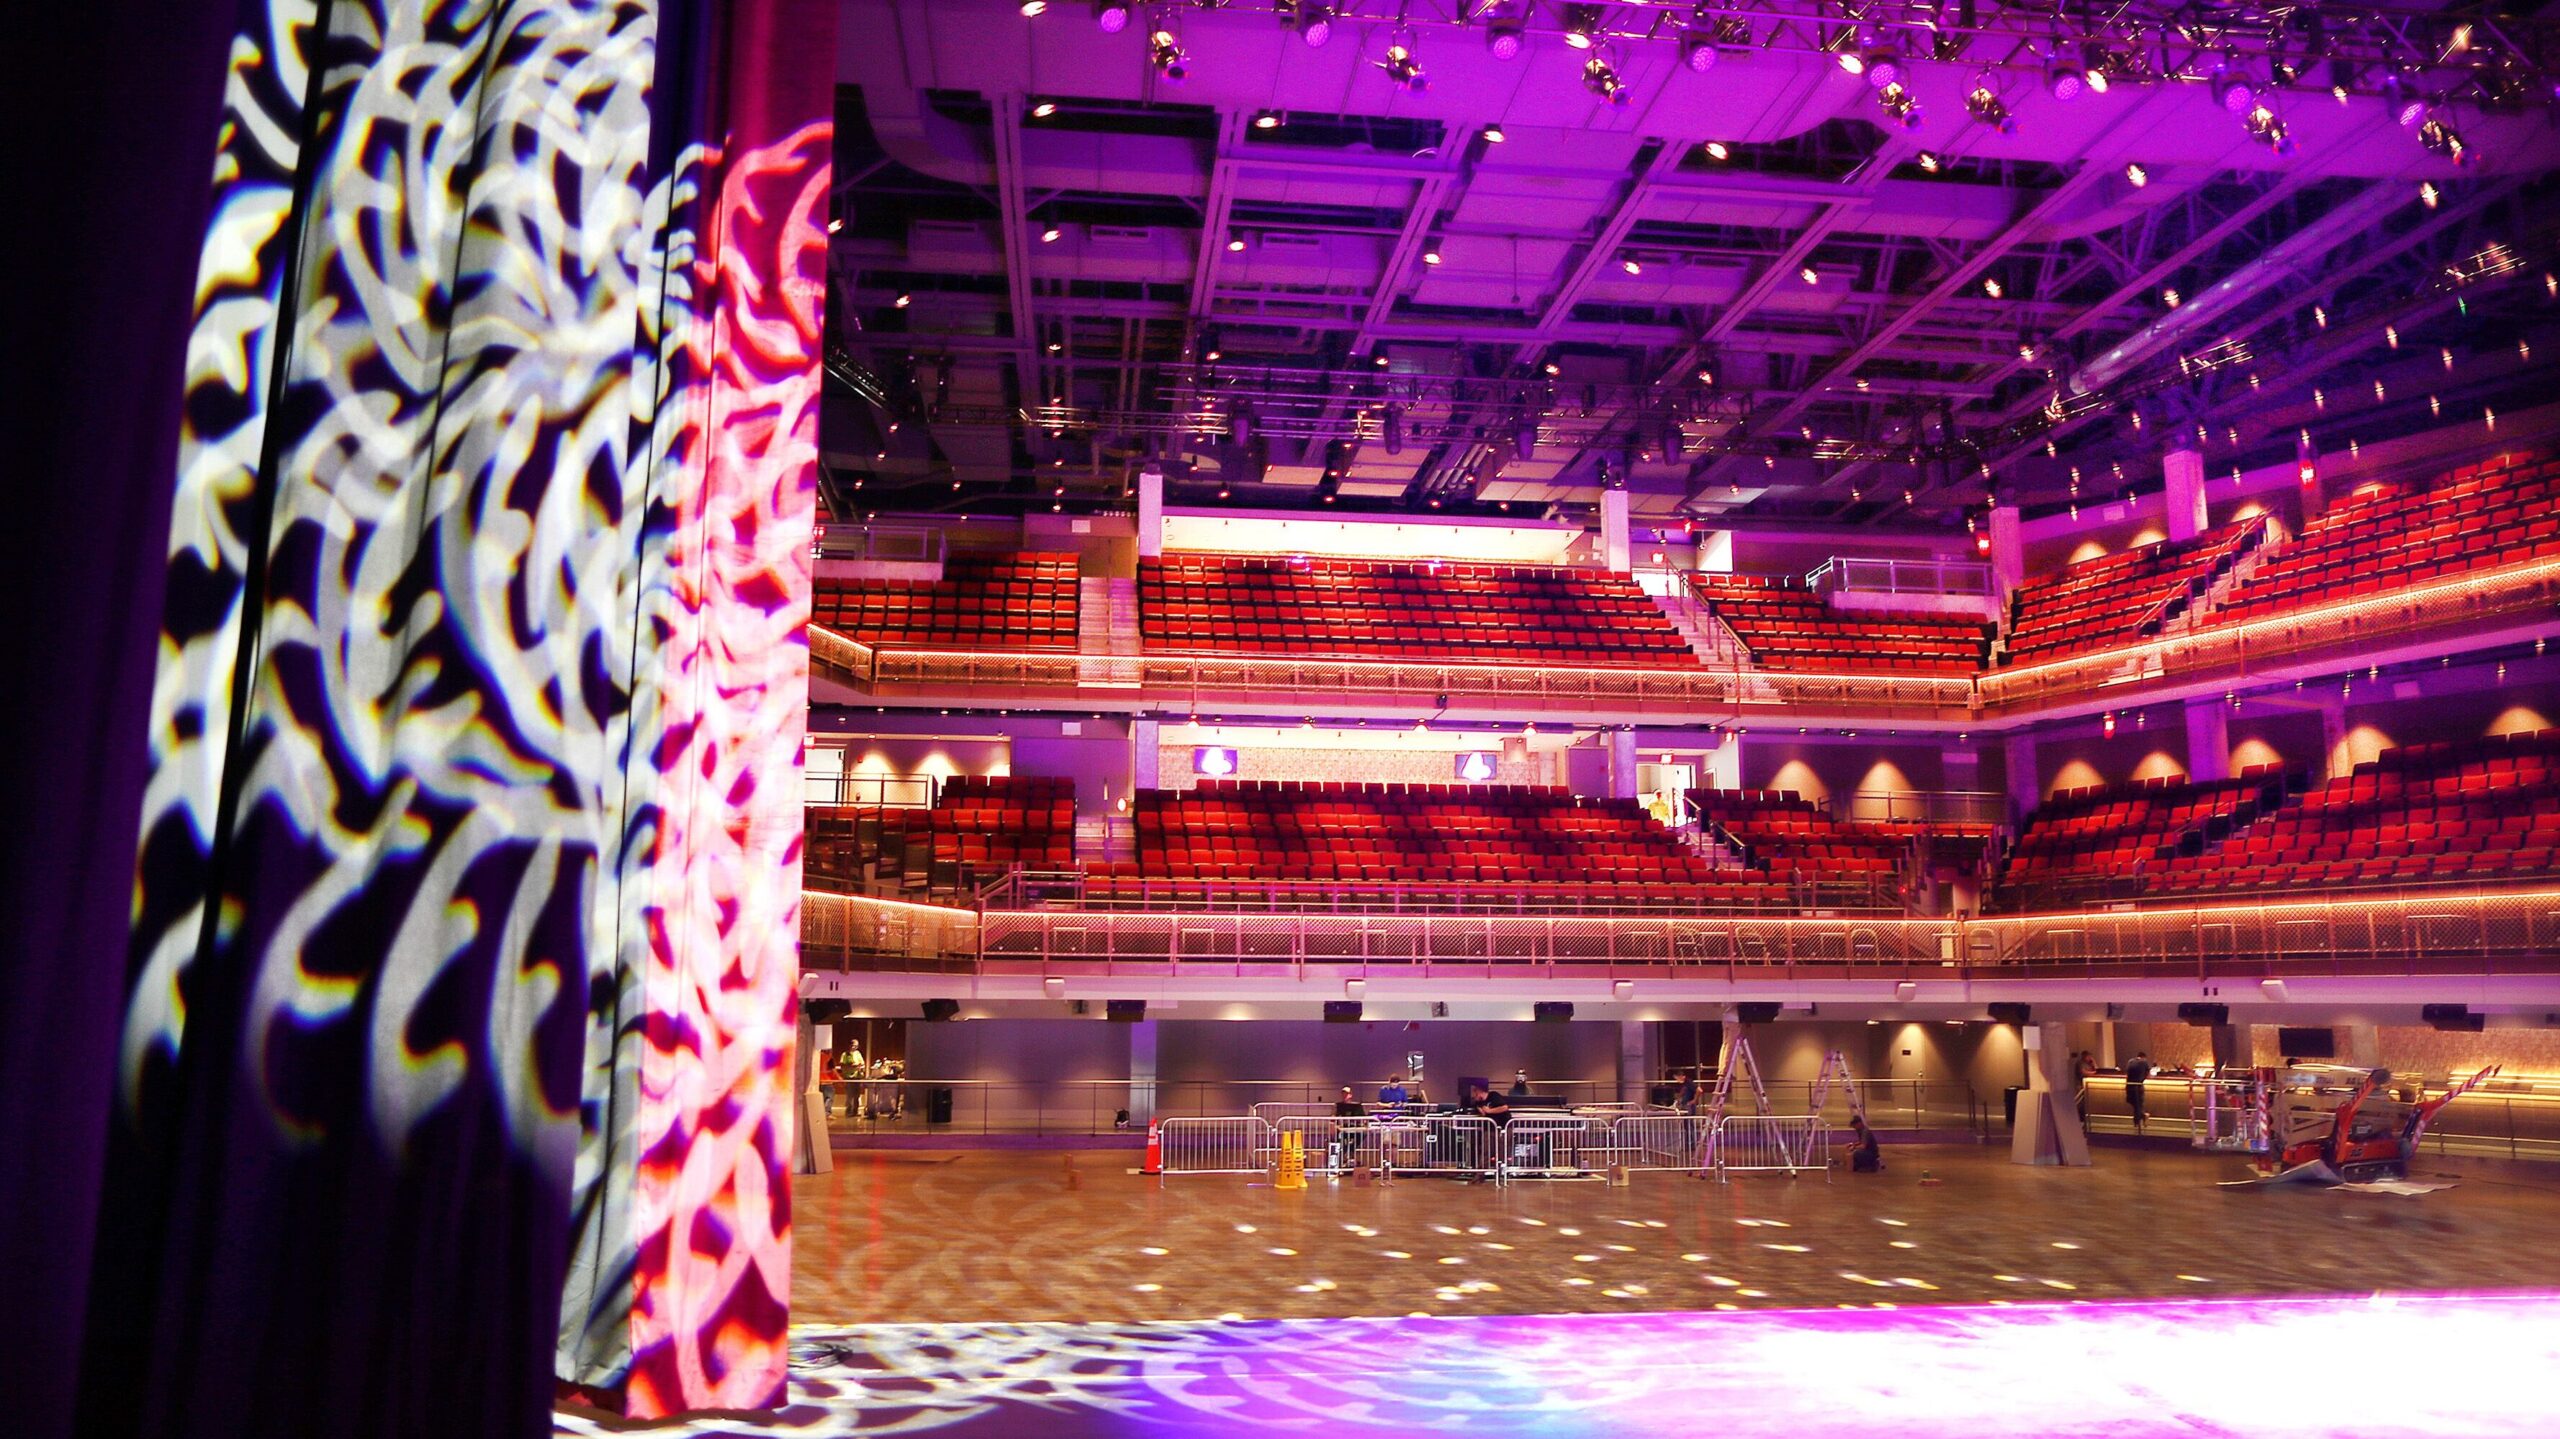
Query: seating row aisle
{"points": [[1412, 611], [2482, 810], [982, 602], [1789, 837], [2501, 511], [2081, 843], [1511, 845], [1786, 626], [979, 827], [2120, 598]]}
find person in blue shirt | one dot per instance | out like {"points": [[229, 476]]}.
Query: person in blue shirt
{"points": [[1391, 1093]]}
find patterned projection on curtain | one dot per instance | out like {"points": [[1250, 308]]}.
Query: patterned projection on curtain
{"points": [[465, 920]]}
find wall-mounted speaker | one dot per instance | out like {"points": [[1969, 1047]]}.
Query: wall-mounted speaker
{"points": [[1126, 1011], [1342, 1011], [2011, 1014], [2457, 1017], [826, 1011], [1757, 1011], [1552, 1011], [2205, 1016], [937, 1010], [2115, 1011]]}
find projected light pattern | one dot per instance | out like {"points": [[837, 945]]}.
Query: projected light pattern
{"points": [[2475, 1365], [469, 865]]}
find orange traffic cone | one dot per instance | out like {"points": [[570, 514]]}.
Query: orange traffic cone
{"points": [[1155, 1150]]}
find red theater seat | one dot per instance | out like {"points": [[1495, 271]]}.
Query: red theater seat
{"points": [[982, 602], [1785, 626], [2101, 841], [2119, 599], [1407, 611]]}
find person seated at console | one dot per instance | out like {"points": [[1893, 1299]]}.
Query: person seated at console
{"points": [[1347, 1105], [1482, 1100]]}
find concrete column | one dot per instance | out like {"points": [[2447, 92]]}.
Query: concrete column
{"points": [[2234, 1046], [1142, 1072], [2008, 551], [1614, 550], [1150, 512], [2182, 477], [2208, 739], [2334, 758], [1724, 764], [1635, 1059], [2360, 1044], [2048, 1128], [2020, 751], [1622, 763], [1145, 750]]}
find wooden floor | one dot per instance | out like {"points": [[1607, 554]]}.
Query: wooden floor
{"points": [[986, 1295], [980, 1236]]}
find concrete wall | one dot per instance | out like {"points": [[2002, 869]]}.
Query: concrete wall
{"points": [[1817, 769], [2158, 747]]}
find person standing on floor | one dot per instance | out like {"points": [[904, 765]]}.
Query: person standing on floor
{"points": [[1391, 1094], [2136, 1075]]}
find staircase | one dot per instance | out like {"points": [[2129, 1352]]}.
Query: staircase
{"points": [[1107, 624], [1708, 639], [1105, 839], [2214, 594]]}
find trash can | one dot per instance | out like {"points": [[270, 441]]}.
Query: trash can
{"points": [[2009, 1104], [937, 1104]]}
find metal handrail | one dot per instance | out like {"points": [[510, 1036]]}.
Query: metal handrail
{"points": [[1035, 890], [1900, 576]]}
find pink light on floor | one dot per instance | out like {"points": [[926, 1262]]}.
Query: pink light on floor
{"points": [[2471, 1364]]}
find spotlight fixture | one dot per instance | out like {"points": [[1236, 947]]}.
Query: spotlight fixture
{"points": [[2408, 107], [1031, 8], [1985, 106], [1582, 26], [1504, 38], [1164, 52], [1991, 287], [1716, 150], [2233, 90], [2064, 80], [2438, 137], [1493, 135], [1050, 235], [1810, 275], [1698, 50], [2268, 128], [1929, 161], [1235, 243], [1044, 109], [2427, 195], [904, 299], [1431, 255], [1402, 70], [1631, 265], [1900, 106], [1883, 69], [1601, 79], [2136, 176], [1266, 120], [1110, 16], [2096, 67], [1314, 23]]}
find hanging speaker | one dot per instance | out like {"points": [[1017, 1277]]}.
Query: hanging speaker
{"points": [[2455, 1017], [1126, 1011], [1757, 1011], [938, 1010], [2010, 1014], [2205, 1016], [1342, 1011], [1552, 1011]]}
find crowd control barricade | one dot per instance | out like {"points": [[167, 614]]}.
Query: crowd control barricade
{"points": [[1234, 1144], [1332, 1143], [1552, 1144], [1458, 1144], [1663, 1141], [1770, 1144]]}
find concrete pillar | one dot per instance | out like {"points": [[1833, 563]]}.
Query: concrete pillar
{"points": [[2360, 1044], [1150, 512], [1635, 1060], [1142, 1072], [2008, 550], [1622, 762], [2182, 480], [1145, 753], [2234, 1046], [2334, 758], [2020, 752], [2208, 739], [1614, 550], [2048, 1128]]}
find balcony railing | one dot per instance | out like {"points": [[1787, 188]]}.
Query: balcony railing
{"points": [[895, 544], [2211, 651], [2471, 932], [1029, 890], [1902, 577]]}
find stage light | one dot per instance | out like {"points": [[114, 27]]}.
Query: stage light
{"points": [[2408, 107], [1164, 52], [2234, 91], [1929, 161], [1900, 106], [1809, 275], [1991, 287], [2427, 195], [1044, 110], [1235, 243], [1049, 236], [2440, 139], [2096, 67], [1716, 150], [1402, 70], [1266, 120], [1391, 430], [2171, 298], [1601, 79], [1698, 50], [1524, 437], [904, 299], [1034, 7], [2136, 176], [1581, 26], [2269, 129], [1110, 17], [1503, 39], [1493, 135], [1985, 106], [1631, 266], [1431, 256], [1853, 63], [2064, 80], [1314, 23], [1883, 69]]}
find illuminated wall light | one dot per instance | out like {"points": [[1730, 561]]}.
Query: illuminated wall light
{"points": [[1235, 243], [1431, 256]]}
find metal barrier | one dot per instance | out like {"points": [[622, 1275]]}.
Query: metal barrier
{"points": [[1770, 1144], [1663, 1141], [1554, 1145], [1239, 1144]]}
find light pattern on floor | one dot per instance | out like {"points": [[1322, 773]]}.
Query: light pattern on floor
{"points": [[2304, 1366]]}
